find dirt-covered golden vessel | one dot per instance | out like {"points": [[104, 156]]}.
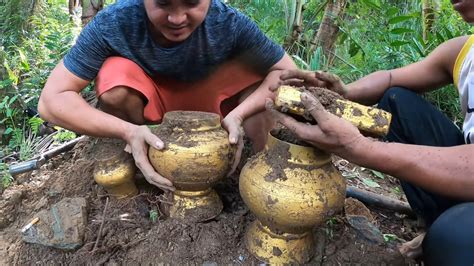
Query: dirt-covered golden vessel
{"points": [[114, 169], [197, 155], [291, 189], [368, 119]]}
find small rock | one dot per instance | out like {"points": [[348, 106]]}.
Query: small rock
{"points": [[365, 228], [209, 263], [62, 226], [355, 207]]}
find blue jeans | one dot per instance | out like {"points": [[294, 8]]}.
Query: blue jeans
{"points": [[450, 237]]}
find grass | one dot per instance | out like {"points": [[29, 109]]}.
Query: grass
{"points": [[7, 179]]}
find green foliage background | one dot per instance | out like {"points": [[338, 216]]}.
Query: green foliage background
{"points": [[34, 35], [374, 35]]}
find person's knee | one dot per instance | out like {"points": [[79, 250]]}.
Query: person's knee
{"points": [[450, 240], [115, 98], [393, 97], [125, 103]]}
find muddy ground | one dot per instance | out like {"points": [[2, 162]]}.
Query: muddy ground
{"points": [[152, 239]]}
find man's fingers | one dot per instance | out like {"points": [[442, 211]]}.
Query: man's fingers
{"points": [[314, 107], [237, 155], [234, 134], [293, 82], [159, 181], [283, 119], [311, 133], [154, 141], [128, 148], [297, 74], [149, 172], [328, 77]]}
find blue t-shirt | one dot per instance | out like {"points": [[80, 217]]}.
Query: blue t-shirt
{"points": [[122, 30]]}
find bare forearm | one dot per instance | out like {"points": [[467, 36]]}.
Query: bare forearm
{"points": [[255, 103], [369, 89], [70, 111], [447, 171]]}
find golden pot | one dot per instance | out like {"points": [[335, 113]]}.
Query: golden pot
{"points": [[372, 121], [197, 155], [114, 169], [291, 189]]}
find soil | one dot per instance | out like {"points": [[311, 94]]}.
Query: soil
{"points": [[380, 120], [147, 237], [105, 149], [109, 152], [176, 126], [326, 97], [288, 136]]}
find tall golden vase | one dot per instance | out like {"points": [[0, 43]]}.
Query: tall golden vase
{"points": [[197, 155], [291, 189]]}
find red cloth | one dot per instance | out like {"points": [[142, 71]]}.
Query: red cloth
{"points": [[166, 95]]}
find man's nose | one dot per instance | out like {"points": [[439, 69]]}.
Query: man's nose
{"points": [[177, 17]]}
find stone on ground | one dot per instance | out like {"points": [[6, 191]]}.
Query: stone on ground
{"points": [[360, 218], [62, 226]]}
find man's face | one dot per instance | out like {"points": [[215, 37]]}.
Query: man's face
{"points": [[174, 20], [465, 8]]}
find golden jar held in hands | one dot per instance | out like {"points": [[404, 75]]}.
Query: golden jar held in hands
{"points": [[196, 156]]}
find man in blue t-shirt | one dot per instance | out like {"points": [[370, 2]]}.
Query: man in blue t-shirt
{"points": [[148, 57]]}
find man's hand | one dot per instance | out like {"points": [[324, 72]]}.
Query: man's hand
{"points": [[331, 134], [138, 142], [233, 125], [299, 78]]}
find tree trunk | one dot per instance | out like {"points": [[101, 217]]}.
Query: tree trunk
{"points": [[327, 33], [90, 9], [295, 23], [428, 11], [72, 6]]}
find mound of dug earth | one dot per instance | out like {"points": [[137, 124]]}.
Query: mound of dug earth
{"points": [[134, 232]]}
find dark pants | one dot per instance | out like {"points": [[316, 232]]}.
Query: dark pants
{"points": [[450, 237]]}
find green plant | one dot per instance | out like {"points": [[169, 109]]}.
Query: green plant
{"points": [[377, 174], [64, 135], [370, 41], [7, 179], [391, 238], [33, 38], [35, 123], [11, 116], [329, 228], [397, 190], [153, 215]]}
